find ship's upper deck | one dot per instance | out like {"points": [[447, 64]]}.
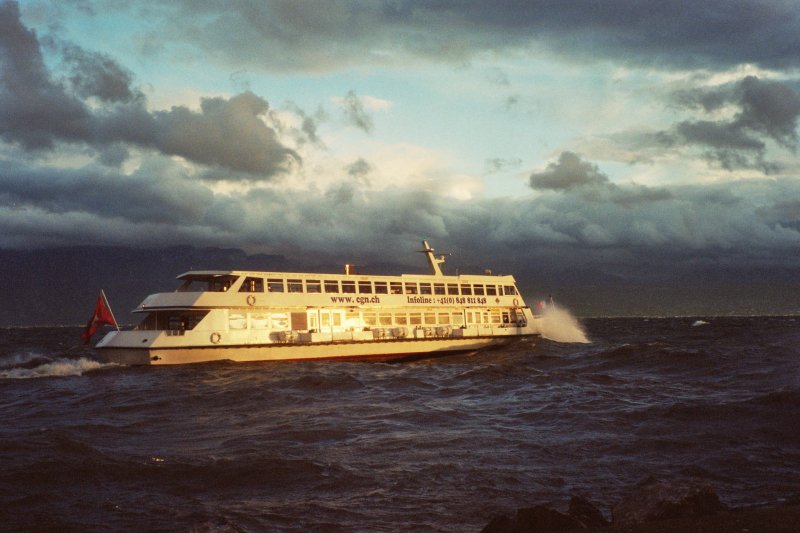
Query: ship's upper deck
{"points": [[298, 282], [351, 282]]}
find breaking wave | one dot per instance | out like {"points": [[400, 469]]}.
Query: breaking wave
{"points": [[19, 367]]}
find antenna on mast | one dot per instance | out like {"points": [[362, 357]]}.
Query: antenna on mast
{"points": [[433, 261]]}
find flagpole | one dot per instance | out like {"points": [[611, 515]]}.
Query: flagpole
{"points": [[108, 306]]}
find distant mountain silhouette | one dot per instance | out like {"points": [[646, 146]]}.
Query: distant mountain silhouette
{"points": [[59, 286]]}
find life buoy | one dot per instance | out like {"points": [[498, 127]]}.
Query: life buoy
{"points": [[251, 300], [215, 337], [516, 302]]}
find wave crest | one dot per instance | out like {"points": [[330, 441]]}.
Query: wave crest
{"points": [[55, 368]]}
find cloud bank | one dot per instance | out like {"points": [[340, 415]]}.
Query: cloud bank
{"points": [[292, 35], [37, 111]]}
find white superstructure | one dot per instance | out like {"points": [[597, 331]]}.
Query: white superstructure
{"points": [[259, 316]]}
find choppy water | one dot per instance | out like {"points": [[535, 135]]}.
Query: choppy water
{"points": [[439, 445]]}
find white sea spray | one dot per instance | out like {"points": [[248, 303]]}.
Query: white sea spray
{"points": [[557, 324]]}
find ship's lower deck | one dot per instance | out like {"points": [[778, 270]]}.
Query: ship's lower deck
{"points": [[381, 350]]}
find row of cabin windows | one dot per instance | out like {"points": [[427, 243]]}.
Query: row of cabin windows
{"points": [[437, 318], [187, 320], [335, 286]]}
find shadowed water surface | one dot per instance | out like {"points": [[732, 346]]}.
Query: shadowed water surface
{"points": [[435, 445]]}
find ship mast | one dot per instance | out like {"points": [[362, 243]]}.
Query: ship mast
{"points": [[433, 261]]}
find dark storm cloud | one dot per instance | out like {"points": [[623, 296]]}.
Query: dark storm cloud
{"points": [[156, 193], [673, 33], [228, 133], [569, 172], [34, 111], [37, 111], [769, 107], [765, 107], [95, 74], [756, 112]]}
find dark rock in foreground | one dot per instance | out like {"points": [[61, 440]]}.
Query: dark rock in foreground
{"points": [[582, 516], [683, 505], [586, 513], [655, 500]]}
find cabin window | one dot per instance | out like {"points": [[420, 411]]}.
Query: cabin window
{"points": [[294, 285], [385, 319], [425, 288], [506, 317], [478, 290], [381, 288], [458, 319], [466, 289], [312, 321], [166, 320], [349, 287], [444, 318], [331, 285], [365, 287], [203, 283], [438, 288], [175, 322], [452, 288], [491, 290], [495, 316], [313, 285], [509, 290], [429, 318], [252, 285], [330, 318], [370, 319], [221, 283], [415, 318], [401, 319], [275, 285], [395, 287], [411, 288]]}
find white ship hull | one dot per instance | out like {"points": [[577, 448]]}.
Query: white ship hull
{"points": [[389, 350]]}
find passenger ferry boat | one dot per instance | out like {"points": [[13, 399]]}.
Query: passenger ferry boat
{"points": [[259, 316]]}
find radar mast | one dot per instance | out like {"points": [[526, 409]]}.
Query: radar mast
{"points": [[433, 261]]}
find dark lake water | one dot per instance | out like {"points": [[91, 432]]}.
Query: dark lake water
{"points": [[433, 445]]}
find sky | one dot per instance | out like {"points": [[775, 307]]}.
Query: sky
{"points": [[615, 138]]}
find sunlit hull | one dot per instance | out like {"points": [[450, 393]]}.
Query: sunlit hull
{"points": [[390, 350]]}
